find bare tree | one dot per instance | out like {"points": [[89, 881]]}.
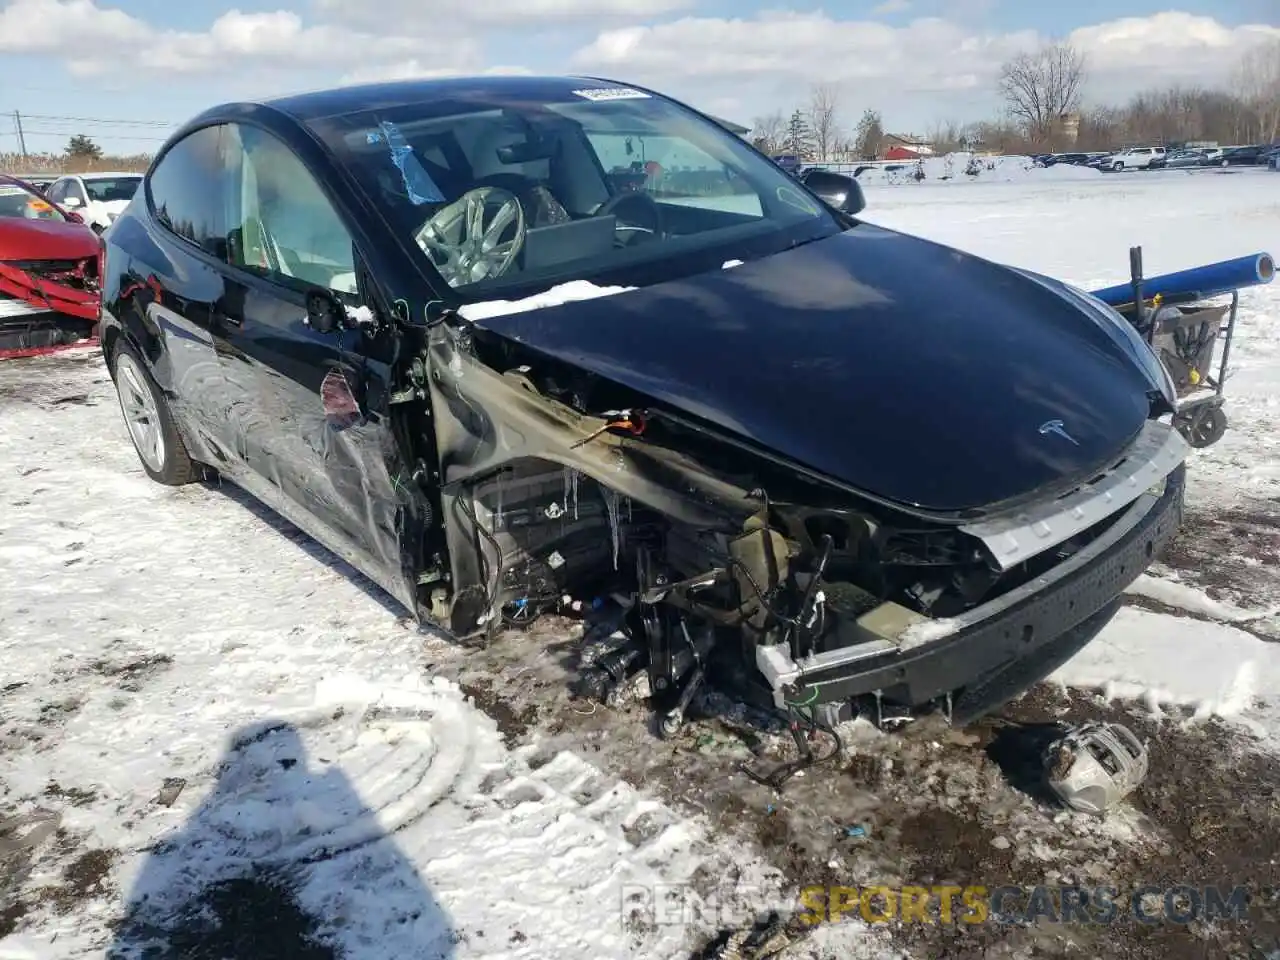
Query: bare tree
{"points": [[1040, 88], [824, 123], [869, 134], [946, 136], [1257, 83], [768, 133]]}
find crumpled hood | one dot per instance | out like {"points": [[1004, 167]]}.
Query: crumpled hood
{"points": [[22, 239], [904, 368]]}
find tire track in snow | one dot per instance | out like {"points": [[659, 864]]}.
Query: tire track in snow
{"points": [[199, 647]]}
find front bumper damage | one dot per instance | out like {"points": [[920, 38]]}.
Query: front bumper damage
{"points": [[995, 651], [46, 305], [735, 567], [69, 287]]}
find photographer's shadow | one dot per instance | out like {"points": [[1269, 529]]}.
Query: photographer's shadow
{"points": [[282, 861]]}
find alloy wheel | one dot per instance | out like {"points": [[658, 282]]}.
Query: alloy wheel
{"points": [[141, 415]]}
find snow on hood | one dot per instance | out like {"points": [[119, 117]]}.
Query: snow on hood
{"points": [[563, 293]]}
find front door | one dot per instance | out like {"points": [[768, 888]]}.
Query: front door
{"points": [[309, 431]]}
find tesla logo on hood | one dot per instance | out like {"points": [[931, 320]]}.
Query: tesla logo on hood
{"points": [[1056, 426]]}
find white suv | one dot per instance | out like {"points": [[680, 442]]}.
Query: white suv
{"points": [[1136, 158], [98, 197]]}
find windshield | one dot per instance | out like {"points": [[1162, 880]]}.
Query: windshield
{"points": [[118, 188], [16, 201], [497, 191]]}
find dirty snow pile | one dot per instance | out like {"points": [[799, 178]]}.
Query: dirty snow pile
{"points": [[962, 167]]}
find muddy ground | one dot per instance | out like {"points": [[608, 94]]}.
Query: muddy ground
{"points": [[930, 805]]}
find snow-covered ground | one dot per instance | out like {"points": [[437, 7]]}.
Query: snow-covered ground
{"points": [[206, 701]]}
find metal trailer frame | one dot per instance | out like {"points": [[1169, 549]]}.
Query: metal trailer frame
{"points": [[1183, 330]]}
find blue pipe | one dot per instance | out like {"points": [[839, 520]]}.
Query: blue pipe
{"points": [[1199, 282]]}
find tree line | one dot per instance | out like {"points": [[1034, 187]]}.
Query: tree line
{"points": [[1042, 97]]}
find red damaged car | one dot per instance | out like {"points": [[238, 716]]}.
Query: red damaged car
{"points": [[48, 273]]}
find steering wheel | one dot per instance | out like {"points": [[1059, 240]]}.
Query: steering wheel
{"points": [[638, 199], [466, 244]]}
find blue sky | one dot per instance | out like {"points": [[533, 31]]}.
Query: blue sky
{"points": [[152, 63]]}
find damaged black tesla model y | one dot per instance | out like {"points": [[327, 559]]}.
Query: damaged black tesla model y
{"points": [[498, 341]]}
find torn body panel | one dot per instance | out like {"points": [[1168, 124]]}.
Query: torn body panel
{"points": [[513, 459], [63, 286], [553, 485]]}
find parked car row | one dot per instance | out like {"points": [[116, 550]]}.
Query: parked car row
{"points": [[1160, 158]]}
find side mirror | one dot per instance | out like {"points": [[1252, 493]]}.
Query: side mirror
{"points": [[71, 202], [325, 312], [837, 190]]}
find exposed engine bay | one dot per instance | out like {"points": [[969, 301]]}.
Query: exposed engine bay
{"points": [[732, 565]]}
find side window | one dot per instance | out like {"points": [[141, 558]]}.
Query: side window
{"points": [[285, 228], [188, 190], [76, 189]]}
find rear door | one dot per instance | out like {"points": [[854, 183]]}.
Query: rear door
{"points": [[176, 283], [304, 394]]}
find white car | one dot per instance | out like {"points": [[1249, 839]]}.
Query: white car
{"points": [[97, 197], [1136, 158]]}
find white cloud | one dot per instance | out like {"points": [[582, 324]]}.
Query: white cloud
{"points": [[1141, 52], [91, 40], [925, 70], [414, 69], [924, 54], [47, 26], [450, 15]]}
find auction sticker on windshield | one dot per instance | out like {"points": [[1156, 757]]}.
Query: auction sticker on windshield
{"points": [[612, 93]]}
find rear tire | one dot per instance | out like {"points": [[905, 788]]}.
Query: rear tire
{"points": [[146, 414]]}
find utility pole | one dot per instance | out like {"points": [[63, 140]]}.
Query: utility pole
{"points": [[22, 141]]}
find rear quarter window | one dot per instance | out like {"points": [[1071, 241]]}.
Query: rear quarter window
{"points": [[187, 190]]}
